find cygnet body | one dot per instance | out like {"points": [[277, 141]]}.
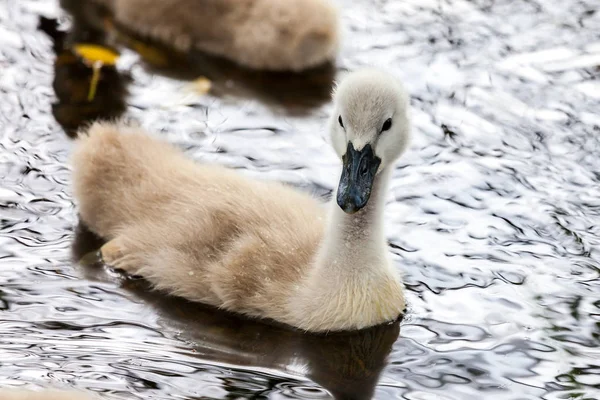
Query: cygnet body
{"points": [[278, 35], [212, 235]]}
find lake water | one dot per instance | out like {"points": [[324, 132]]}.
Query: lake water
{"points": [[492, 216]]}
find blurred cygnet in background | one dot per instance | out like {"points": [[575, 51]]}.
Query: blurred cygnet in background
{"points": [[277, 35]]}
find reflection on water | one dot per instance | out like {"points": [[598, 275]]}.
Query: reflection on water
{"points": [[492, 217]]}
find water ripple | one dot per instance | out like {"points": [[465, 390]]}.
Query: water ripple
{"points": [[492, 215]]}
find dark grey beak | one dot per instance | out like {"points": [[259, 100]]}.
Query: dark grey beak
{"points": [[357, 179]]}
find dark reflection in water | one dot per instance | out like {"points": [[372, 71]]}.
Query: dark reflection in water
{"points": [[297, 93], [348, 364], [73, 78]]}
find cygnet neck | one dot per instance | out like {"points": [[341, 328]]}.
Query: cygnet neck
{"points": [[353, 284], [357, 240]]}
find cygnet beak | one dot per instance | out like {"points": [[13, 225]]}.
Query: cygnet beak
{"points": [[358, 175]]}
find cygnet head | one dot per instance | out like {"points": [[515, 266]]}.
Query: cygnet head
{"points": [[369, 129]]}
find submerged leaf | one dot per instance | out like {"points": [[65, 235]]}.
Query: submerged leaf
{"points": [[149, 53]]}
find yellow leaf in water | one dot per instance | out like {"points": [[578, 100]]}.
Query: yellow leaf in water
{"points": [[148, 52], [201, 85], [93, 53]]}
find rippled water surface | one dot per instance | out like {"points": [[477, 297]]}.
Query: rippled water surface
{"points": [[492, 216]]}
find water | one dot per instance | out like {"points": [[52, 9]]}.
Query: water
{"points": [[492, 215]]}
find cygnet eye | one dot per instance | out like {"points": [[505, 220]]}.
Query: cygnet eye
{"points": [[340, 121], [386, 125]]}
